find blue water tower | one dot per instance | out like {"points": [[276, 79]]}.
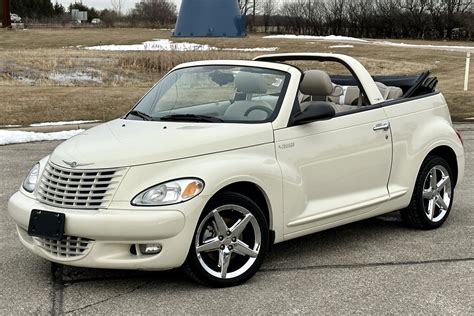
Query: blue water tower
{"points": [[206, 18]]}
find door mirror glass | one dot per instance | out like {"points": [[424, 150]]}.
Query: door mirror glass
{"points": [[315, 111]]}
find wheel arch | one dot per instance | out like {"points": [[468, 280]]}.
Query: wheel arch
{"points": [[448, 154], [252, 191]]}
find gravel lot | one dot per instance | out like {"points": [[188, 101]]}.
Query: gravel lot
{"points": [[375, 266]]}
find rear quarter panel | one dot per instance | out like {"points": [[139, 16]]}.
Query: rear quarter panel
{"points": [[418, 126]]}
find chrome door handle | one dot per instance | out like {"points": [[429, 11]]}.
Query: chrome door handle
{"points": [[382, 126]]}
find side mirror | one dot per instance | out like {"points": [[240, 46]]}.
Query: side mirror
{"points": [[315, 111]]}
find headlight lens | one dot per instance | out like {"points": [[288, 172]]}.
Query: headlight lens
{"points": [[171, 192], [30, 182]]}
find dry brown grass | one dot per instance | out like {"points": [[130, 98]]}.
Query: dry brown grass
{"points": [[124, 76], [25, 105], [65, 37]]}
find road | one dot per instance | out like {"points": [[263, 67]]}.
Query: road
{"points": [[375, 266]]}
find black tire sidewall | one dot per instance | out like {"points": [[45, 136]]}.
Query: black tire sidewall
{"points": [[192, 260]]}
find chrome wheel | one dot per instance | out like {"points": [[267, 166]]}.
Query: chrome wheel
{"points": [[437, 193], [228, 241]]}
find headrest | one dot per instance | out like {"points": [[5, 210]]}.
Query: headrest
{"points": [[316, 82], [384, 90], [248, 82]]}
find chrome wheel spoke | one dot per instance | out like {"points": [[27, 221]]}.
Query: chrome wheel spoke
{"points": [[433, 180], [243, 249], [431, 209], [441, 204], [221, 225], [210, 245], [442, 182], [239, 227], [224, 261]]}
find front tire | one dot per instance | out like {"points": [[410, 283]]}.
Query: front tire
{"points": [[230, 242], [432, 196]]}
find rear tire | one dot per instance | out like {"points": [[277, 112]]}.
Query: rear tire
{"points": [[433, 195], [229, 243]]}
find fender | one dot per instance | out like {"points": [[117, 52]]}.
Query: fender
{"points": [[256, 164], [414, 136]]}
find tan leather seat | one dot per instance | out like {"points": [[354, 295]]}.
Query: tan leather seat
{"points": [[394, 93], [317, 84], [248, 84], [388, 93], [351, 94]]}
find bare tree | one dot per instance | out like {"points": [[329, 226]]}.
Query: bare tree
{"points": [[155, 12], [117, 6], [373, 18], [245, 6], [453, 9], [416, 16], [336, 15], [268, 9], [360, 17]]}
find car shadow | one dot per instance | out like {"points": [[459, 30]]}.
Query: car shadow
{"points": [[326, 243]]}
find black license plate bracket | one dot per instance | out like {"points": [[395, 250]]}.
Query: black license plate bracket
{"points": [[46, 224]]}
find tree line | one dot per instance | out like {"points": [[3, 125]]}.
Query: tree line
{"points": [[145, 12], [417, 19]]}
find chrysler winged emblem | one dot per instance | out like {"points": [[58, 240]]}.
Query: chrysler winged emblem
{"points": [[74, 164]]}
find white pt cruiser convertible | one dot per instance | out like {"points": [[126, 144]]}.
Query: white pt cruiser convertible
{"points": [[221, 159]]}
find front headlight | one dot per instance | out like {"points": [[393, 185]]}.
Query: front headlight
{"points": [[30, 182], [170, 192]]}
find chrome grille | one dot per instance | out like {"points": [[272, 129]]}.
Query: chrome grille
{"points": [[70, 188], [68, 247]]}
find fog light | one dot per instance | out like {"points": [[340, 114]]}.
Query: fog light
{"points": [[150, 249]]}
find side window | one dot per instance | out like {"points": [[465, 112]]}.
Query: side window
{"points": [[330, 82], [200, 89]]}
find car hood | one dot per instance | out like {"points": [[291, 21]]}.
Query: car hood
{"points": [[120, 143]]}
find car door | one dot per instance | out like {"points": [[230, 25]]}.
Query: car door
{"points": [[333, 169]]}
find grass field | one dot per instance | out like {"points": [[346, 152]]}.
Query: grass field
{"points": [[46, 75]]}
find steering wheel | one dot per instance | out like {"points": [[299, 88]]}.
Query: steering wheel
{"points": [[258, 107]]}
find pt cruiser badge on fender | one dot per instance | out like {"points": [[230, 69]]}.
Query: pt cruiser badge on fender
{"points": [[221, 159]]}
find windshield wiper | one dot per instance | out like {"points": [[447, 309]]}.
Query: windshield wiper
{"points": [[142, 115], [191, 118]]}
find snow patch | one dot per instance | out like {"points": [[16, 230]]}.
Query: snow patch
{"points": [[444, 47], [337, 38], [155, 45], [333, 38], [73, 76], [256, 49], [63, 123], [341, 46], [9, 126], [167, 45], [16, 137]]}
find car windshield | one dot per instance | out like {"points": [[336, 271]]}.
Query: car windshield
{"points": [[233, 94]]}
